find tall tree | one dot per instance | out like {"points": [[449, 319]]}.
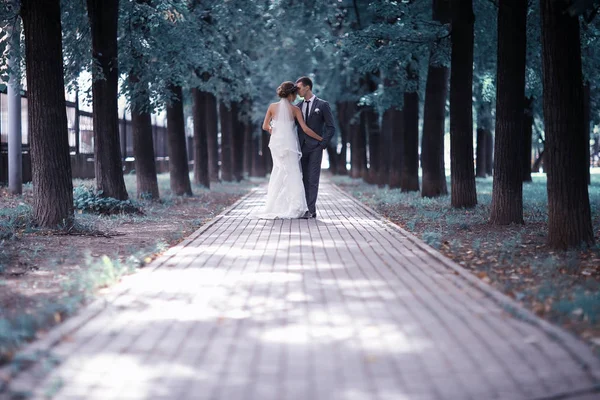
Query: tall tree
{"points": [[410, 157], [394, 117], [226, 118], [201, 174], [434, 113], [47, 118], [178, 162], [463, 193], [140, 103], [569, 217], [143, 146], [527, 139], [212, 132], [103, 16], [507, 192]]}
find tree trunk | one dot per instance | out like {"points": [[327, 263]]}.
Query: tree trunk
{"points": [[489, 154], [434, 119], [258, 163], [396, 118], [463, 192], [178, 162], [434, 116], [103, 16], [507, 192], [586, 128], [225, 115], [201, 175], [387, 131], [370, 125], [143, 146], [46, 116], [569, 218], [527, 139], [212, 131], [410, 158], [237, 135], [344, 124], [358, 146], [481, 150], [484, 128], [248, 146]]}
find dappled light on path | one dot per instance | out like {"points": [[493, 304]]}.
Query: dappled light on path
{"points": [[342, 307]]}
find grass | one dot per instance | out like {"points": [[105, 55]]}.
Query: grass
{"points": [[94, 271]]}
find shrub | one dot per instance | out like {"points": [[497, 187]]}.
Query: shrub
{"points": [[89, 200]]}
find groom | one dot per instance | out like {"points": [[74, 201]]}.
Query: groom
{"points": [[318, 117]]}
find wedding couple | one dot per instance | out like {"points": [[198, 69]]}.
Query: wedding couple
{"points": [[296, 153]]}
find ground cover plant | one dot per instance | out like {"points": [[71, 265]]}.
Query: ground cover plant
{"points": [[47, 275], [562, 287]]}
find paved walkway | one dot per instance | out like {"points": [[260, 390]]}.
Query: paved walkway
{"points": [[346, 307]]}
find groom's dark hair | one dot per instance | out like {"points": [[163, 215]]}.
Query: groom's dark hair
{"points": [[305, 80]]}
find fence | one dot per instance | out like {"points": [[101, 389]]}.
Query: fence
{"points": [[81, 139]]}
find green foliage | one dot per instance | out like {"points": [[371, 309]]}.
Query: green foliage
{"points": [[13, 220], [86, 199]]}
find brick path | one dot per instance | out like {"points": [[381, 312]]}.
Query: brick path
{"points": [[347, 306]]}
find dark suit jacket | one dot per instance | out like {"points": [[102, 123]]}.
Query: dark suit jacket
{"points": [[320, 120]]}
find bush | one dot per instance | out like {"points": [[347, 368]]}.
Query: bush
{"points": [[89, 200]]}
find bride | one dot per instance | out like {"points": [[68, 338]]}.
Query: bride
{"points": [[285, 194]]}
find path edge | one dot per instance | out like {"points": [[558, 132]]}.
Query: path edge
{"points": [[40, 348], [576, 347]]}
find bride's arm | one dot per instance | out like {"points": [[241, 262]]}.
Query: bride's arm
{"points": [[266, 123], [305, 128]]}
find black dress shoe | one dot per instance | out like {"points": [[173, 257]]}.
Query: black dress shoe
{"points": [[306, 215], [313, 215]]}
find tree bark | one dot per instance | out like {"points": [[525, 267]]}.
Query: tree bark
{"points": [[344, 124], [463, 192], [178, 162], [527, 139], [484, 128], [569, 217], [46, 116], [410, 158], [489, 158], [434, 119], [143, 146], [507, 192], [396, 118], [387, 131], [225, 115], [258, 163], [370, 126], [237, 148], [358, 146], [212, 132], [586, 128], [103, 16], [201, 174], [248, 146]]}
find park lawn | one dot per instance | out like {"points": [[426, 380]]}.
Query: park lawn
{"points": [[562, 287], [45, 276]]}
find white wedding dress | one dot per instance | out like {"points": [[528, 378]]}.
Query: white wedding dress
{"points": [[285, 194]]}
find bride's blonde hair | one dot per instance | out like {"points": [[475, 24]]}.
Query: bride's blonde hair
{"points": [[287, 88]]}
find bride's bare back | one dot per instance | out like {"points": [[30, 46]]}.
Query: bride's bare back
{"points": [[297, 114]]}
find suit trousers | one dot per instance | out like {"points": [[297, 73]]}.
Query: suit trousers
{"points": [[311, 172]]}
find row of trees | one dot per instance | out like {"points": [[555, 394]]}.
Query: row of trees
{"points": [[379, 63], [408, 44]]}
